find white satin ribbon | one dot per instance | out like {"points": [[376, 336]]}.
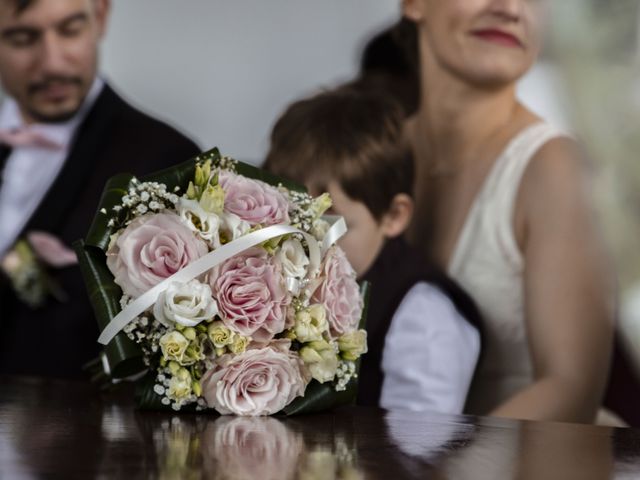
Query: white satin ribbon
{"points": [[338, 229], [216, 257]]}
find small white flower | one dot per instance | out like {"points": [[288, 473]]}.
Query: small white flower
{"points": [[321, 360], [180, 386], [205, 224], [311, 323], [186, 304], [233, 226], [219, 334], [319, 229], [353, 344], [293, 259], [174, 346]]}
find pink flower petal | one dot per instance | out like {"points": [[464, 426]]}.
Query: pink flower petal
{"points": [[51, 250]]}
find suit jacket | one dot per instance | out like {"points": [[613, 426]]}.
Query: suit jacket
{"points": [[57, 339]]}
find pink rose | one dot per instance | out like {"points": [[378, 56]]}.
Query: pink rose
{"points": [[253, 201], [339, 293], [244, 448], [252, 298], [152, 247], [257, 382]]}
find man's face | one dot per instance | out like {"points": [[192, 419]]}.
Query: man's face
{"points": [[48, 55]]}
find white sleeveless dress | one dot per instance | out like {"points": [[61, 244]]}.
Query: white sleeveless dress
{"points": [[487, 262]]}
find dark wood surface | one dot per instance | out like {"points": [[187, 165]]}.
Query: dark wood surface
{"points": [[62, 429]]}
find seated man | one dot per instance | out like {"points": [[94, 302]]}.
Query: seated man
{"points": [[63, 133]]}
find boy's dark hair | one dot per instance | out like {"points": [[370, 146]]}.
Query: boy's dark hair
{"points": [[348, 136]]}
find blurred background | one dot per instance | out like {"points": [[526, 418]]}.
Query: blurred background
{"points": [[223, 70]]}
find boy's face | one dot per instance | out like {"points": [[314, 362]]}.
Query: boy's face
{"points": [[365, 237]]}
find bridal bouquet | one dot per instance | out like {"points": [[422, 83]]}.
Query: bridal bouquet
{"points": [[226, 287]]}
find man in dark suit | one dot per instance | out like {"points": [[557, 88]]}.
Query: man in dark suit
{"points": [[63, 133]]}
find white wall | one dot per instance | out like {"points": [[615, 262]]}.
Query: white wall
{"points": [[222, 70], [542, 91]]}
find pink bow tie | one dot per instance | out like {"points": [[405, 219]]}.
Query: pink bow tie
{"points": [[27, 137]]}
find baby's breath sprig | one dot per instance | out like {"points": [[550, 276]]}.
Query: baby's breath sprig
{"points": [[300, 213], [217, 160], [145, 331], [305, 210], [176, 387], [142, 198], [345, 372]]}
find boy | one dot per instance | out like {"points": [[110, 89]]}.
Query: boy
{"points": [[423, 346]]}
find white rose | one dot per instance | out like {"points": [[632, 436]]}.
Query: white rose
{"points": [[186, 304], [205, 224], [293, 258], [233, 226]]}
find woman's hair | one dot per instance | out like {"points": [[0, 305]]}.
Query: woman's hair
{"points": [[389, 65], [349, 136]]}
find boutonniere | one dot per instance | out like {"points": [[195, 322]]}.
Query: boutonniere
{"points": [[28, 263]]}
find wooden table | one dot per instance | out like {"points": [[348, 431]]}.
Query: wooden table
{"points": [[63, 429]]}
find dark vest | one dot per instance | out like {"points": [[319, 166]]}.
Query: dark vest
{"points": [[397, 268]]}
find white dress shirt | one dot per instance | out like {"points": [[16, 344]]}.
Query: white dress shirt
{"points": [[430, 354], [29, 172]]}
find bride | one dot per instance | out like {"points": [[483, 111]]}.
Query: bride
{"points": [[506, 199]]}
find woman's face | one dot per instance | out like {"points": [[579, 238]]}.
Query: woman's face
{"points": [[484, 42]]}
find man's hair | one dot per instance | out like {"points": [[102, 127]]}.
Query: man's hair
{"points": [[349, 136]]}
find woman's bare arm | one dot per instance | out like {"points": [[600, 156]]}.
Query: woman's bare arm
{"points": [[568, 290]]}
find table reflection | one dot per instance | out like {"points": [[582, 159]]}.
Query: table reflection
{"points": [[499, 448], [190, 447], [54, 429]]}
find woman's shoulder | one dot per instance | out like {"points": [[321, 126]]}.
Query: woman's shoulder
{"points": [[556, 182], [557, 164], [554, 157], [549, 146]]}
